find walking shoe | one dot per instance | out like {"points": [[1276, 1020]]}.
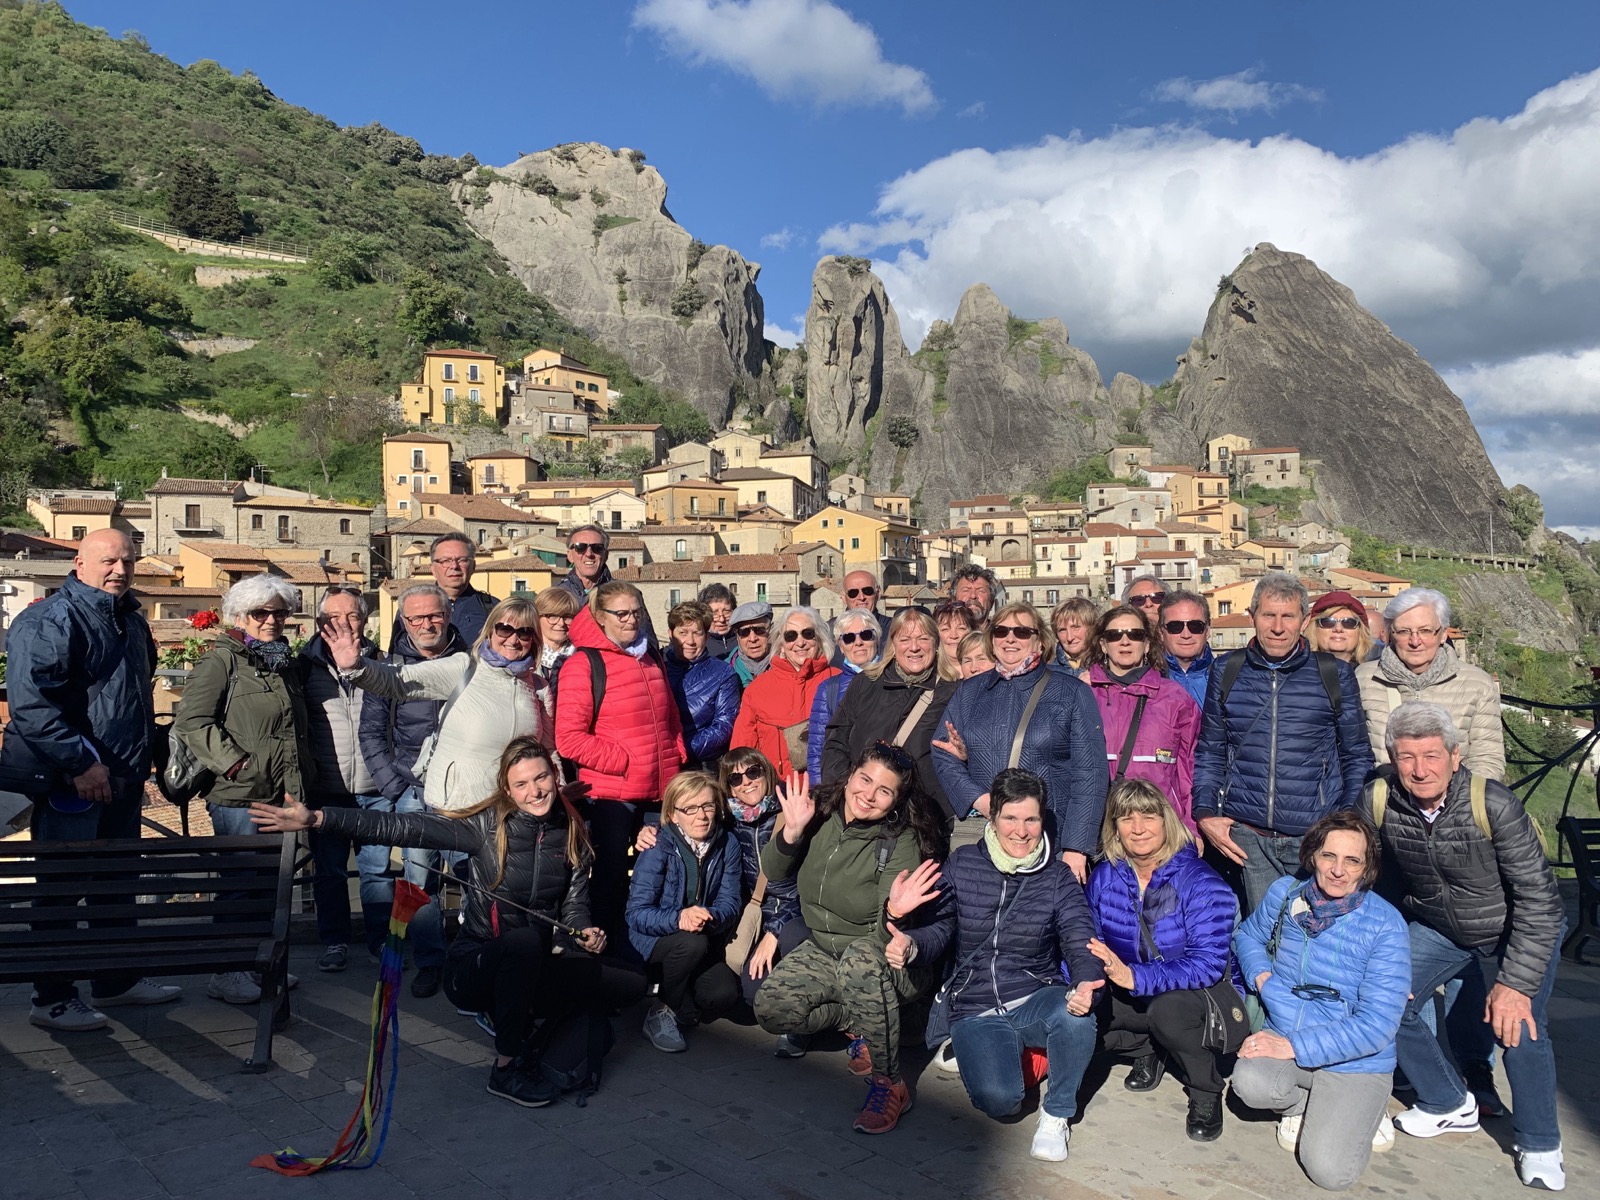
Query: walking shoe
{"points": [[1289, 1132], [1417, 1123], [860, 1057], [69, 1016], [484, 1022], [792, 1045], [526, 1088], [1540, 1168], [661, 1027], [234, 987], [1147, 1073], [290, 980], [146, 991], [334, 958], [1480, 1082], [1050, 1138], [427, 982], [945, 1058], [886, 1100], [1205, 1117], [1384, 1138]]}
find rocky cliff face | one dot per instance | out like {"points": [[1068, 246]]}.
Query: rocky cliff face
{"points": [[587, 228], [1289, 358]]}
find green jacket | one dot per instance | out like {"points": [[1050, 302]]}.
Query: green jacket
{"points": [[265, 719], [842, 890]]}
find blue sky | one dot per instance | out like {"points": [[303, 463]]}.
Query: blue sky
{"points": [[1101, 163]]}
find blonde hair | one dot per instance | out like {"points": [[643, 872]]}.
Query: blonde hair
{"points": [[687, 784], [1047, 635], [1363, 646], [557, 602], [1130, 796], [976, 640], [912, 616], [520, 608]]}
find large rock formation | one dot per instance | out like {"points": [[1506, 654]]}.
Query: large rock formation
{"points": [[587, 228], [1289, 358]]}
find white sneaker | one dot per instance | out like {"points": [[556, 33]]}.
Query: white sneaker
{"points": [[233, 987], [945, 1059], [1421, 1124], [1541, 1169], [1384, 1138], [292, 980], [69, 1016], [1050, 1138], [1289, 1132], [146, 991]]}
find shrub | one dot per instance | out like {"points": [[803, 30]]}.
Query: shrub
{"points": [[687, 300], [901, 431]]}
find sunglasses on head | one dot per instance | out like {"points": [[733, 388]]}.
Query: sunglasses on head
{"points": [[1023, 632], [1126, 635], [849, 639], [902, 761], [852, 593], [1176, 627], [1148, 599], [799, 635], [1338, 622], [587, 548], [751, 774], [526, 632]]}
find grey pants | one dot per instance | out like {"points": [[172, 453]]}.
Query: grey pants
{"points": [[1341, 1111], [1267, 860]]}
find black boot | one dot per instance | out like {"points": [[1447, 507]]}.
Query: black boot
{"points": [[520, 1085], [1205, 1116], [1146, 1074]]}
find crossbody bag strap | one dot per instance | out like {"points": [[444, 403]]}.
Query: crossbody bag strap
{"points": [[967, 959], [1027, 715], [759, 893], [1126, 755], [912, 717], [1148, 937]]}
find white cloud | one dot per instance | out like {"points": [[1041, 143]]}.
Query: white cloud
{"points": [[1236, 93], [975, 109], [793, 49], [790, 338], [779, 240]]}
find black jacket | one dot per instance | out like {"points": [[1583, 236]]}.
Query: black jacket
{"points": [[392, 731], [872, 710], [1474, 890], [537, 875]]}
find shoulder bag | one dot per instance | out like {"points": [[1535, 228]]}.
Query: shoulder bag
{"points": [[1015, 758], [1227, 1021]]}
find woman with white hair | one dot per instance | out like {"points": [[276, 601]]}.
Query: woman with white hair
{"points": [[858, 635], [1419, 663], [775, 713]]}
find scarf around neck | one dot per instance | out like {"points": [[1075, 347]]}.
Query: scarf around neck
{"points": [[518, 666], [749, 814], [1004, 862], [1396, 672], [1323, 912], [269, 656], [1021, 668]]}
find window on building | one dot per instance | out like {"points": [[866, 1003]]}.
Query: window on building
{"points": [[433, 479], [404, 505], [1072, 566], [416, 483], [191, 516], [694, 506], [988, 527], [1180, 544], [355, 558], [761, 589], [841, 543], [616, 518], [449, 371], [824, 522], [402, 480], [855, 543], [449, 414], [283, 529], [472, 372], [761, 497], [79, 532], [344, 525], [674, 597], [680, 549], [1224, 607], [472, 394], [722, 506], [594, 387], [622, 561], [257, 521], [1028, 595], [733, 547], [488, 473]]}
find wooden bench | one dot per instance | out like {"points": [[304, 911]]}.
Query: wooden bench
{"points": [[1583, 838], [149, 908]]}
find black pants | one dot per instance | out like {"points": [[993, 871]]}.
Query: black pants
{"points": [[696, 983], [1175, 1021], [515, 978], [613, 824]]}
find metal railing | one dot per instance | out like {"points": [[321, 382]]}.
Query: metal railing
{"points": [[1528, 765], [146, 224]]}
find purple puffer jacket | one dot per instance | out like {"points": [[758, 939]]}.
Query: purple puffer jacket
{"points": [[1190, 913], [1163, 752]]}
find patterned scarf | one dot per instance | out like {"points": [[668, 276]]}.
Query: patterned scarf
{"points": [[1021, 668], [1004, 862], [749, 814], [1323, 912], [269, 656]]}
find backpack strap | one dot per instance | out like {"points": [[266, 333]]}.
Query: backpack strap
{"points": [[885, 851], [597, 680], [1328, 668], [1479, 797], [1231, 666], [1126, 755], [1380, 801]]}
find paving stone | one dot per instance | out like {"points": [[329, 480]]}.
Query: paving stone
{"points": [[38, 1177], [78, 1138], [197, 1166], [116, 1179]]}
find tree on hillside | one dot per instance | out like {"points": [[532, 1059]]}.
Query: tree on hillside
{"points": [[200, 204], [428, 309], [348, 409]]}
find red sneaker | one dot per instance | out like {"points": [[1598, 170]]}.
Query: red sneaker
{"points": [[886, 1100], [860, 1060]]}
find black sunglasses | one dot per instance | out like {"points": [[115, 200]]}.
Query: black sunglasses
{"points": [[1338, 622], [526, 632], [587, 548], [796, 635], [1125, 635], [902, 761], [1023, 632], [849, 639], [1148, 599], [748, 775], [1315, 991], [1176, 627], [852, 593], [258, 615], [745, 631]]}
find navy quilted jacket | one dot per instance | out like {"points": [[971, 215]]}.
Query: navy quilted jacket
{"points": [[667, 875], [707, 692], [781, 904], [1190, 912], [1277, 756]]}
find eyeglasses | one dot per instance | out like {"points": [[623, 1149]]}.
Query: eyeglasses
{"points": [[559, 618], [262, 615], [748, 775], [1125, 635], [1316, 991], [799, 635], [696, 810], [452, 562], [526, 632], [587, 548], [624, 615], [1021, 632], [1338, 622], [745, 631], [433, 618], [849, 639], [1148, 600], [1177, 627], [852, 593], [1421, 634]]}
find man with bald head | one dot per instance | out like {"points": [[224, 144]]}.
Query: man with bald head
{"points": [[79, 672]]}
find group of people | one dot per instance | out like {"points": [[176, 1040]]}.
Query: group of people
{"points": [[1038, 836]]}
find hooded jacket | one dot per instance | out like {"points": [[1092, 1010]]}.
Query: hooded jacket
{"points": [[1163, 749], [633, 746], [1468, 693], [667, 878], [393, 731], [707, 693], [873, 710], [333, 716], [1189, 910], [779, 697]]}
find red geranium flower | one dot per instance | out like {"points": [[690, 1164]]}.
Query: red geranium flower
{"points": [[204, 620]]}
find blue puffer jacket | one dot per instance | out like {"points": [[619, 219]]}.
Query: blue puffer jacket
{"points": [[823, 705], [1366, 956], [1190, 911], [781, 904], [1279, 758], [1065, 745], [392, 731], [707, 692], [667, 879], [80, 665], [1193, 679], [1047, 928]]}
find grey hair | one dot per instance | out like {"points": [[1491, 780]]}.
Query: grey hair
{"points": [[1280, 585], [1127, 589], [253, 592], [867, 620], [432, 590], [1180, 596], [824, 634], [433, 547], [1420, 719], [1416, 597], [361, 601]]}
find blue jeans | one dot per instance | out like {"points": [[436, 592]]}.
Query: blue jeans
{"points": [[989, 1051], [1530, 1065], [1267, 860]]}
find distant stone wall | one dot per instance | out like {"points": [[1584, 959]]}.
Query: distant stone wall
{"points": [[214, 277]]}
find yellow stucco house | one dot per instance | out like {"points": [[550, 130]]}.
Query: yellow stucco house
{"points": [[554, 369], [692, 500], [413, 463], [876, 541], [453, 386]]}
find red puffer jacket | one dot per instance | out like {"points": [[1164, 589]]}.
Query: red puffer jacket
{"points": [[633, 745], [779, 697]]}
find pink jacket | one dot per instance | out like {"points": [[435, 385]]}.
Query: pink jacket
{"points": [[1163, 751]]}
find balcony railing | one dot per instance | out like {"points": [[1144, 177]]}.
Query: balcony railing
{"points": [[183, 525], [1531, 757]]}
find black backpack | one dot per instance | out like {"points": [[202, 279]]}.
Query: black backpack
{"points": [[570, 1051]]}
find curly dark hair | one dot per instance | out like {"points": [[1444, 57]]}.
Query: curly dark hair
{"points": [[913, 809]]}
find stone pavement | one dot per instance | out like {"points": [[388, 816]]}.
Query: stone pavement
{"points": [[155, 1106]]}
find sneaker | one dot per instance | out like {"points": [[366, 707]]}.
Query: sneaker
{"points": [[234, 987], [146, 991], [1417, 1123], [661, 1027], [1480, 1082], [483, 1022], [1204, 1123], [1384, 1138], [69, 1016], [427, 982], [1289, 1132], [512, 1083], [1050, 1138], [1541, 1169], [886, 1100], [291, 981], [1147, 1073], [945, 1059], [334, 958], [792, 1045], [860, 1057]]}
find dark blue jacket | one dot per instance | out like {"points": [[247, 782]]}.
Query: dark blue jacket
{"points": [[79, 665], [823, 705], [1279, 758], [1189, 910], [666, 880], [1047, 928], [392, 731], [1194, 678], [707, 692], [1065, 745], [468, 612], [781, 904]]}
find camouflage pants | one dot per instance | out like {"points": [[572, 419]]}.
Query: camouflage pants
{"points": [[810, 991]]}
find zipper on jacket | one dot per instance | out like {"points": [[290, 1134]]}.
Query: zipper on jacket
{"points": [[1272, 754], [994, 943]]}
